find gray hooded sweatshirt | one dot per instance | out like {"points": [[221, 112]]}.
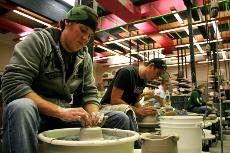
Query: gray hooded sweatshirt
{"points": [[37, 65]]}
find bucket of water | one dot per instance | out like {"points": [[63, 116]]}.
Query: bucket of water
{"points": [[189, 130]]}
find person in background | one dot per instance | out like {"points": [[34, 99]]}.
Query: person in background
{"points": [[46, 70], [162, 95], [127, 86], [196, 103]]}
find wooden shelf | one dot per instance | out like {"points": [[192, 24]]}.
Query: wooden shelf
{"points": [[151, 85], [107, 78], [211, 76], [226, 101]]}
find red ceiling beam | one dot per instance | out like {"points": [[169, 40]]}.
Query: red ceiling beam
{"points": [[124, 9], [129, 13], [147, 11], [13, 27], [96, 54], [110, 21]]}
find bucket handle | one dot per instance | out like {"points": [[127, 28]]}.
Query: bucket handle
{"points": [[175, 138], [200, 125]]}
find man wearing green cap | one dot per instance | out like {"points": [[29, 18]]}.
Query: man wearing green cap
{"points": [[46, 70]]}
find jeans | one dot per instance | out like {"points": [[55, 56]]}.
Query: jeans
{"points": [[22, 122], [134, 127], [202, 110]]}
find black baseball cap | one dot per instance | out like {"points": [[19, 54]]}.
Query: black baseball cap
{"points": [[160, 64]]}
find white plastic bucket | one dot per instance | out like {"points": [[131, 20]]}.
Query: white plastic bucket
{"points": [[189, 130]]}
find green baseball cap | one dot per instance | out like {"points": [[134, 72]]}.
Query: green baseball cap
{"points": [[84, 15]]}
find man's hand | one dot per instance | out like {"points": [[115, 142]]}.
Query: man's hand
{"points": [[145, 110], [75, 114], [96, 118]]}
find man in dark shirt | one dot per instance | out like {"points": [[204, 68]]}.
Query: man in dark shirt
{"points": [[129, 83]]}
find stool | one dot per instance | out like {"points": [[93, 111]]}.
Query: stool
{"points": [[207, 138]]}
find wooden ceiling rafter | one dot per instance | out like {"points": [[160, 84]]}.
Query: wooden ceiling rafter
{"points": [[35, 15]]}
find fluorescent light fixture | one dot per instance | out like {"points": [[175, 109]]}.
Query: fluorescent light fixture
{"points": [[128, 56], [125, 47], [215, 27], [142, 56], [124, 39], [199, 48], [202, 54], [101, 58], [184, 45], [179, 19], [119, 52], [187, 45], [183, 27], [194, 40], [70, 2], [22, 38], [202, 42], [204, 62], [170, 30], [225, 49], [170, 58], [223, 54], [177, 16], [171, 65], [109, 50], [186, 30], [121, 64], [24, 33], [149, 50], [32, 18], [205, 41], [221, 60], [133, 51]]}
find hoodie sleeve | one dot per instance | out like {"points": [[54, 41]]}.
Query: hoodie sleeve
{"points": [[22, 69], [90, 92]]}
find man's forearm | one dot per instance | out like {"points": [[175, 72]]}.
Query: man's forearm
{"points": [[44, 106], [91, 107]]}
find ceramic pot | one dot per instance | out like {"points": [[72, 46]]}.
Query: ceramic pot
{"points": [[158, 144], [149, 119], [91, 134]]}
